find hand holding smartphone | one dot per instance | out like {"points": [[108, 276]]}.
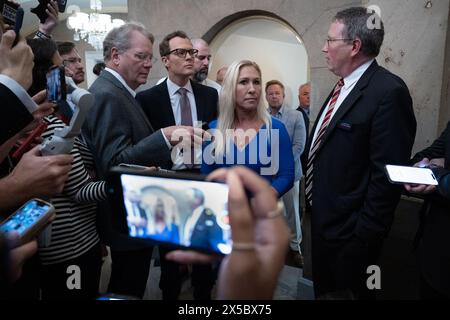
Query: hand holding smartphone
{"points": [[29, 220]]}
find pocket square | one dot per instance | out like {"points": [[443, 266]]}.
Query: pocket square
{"points": [[345, 126]]}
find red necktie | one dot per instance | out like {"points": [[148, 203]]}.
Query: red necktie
{"points": [[318, 140]]}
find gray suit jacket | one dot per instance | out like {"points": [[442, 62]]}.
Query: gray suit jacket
{"points": [[117, 130], [295, 126]]}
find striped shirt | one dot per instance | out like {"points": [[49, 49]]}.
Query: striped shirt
{"points": [[74, 229]]}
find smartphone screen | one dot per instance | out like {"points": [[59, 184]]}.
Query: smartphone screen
{"points": [[26, 217], [179, 212], [412, 175], [56, 84]]}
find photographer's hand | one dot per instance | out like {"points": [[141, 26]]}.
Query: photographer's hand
{"points": [[16, 63], [52, 18]]}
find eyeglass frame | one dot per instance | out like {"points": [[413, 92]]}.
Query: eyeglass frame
{"points": [[144, 57], [192, 52], [341, 39], [74, 61]]}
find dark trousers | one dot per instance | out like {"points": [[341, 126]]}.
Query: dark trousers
{"points": [[55, 277], [203, 278], [339, 268], [129, 272]]}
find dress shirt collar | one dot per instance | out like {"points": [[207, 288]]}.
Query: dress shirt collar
{"points": [[173, 87], [122, 81], [353, 77], [279, 113]]}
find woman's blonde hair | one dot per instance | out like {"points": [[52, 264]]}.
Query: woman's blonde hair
{"points": [[227, 103]]}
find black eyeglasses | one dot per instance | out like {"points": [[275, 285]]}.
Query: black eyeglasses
{"points": [[183, 52], [332, 40]]}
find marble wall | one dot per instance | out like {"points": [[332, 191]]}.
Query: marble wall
{"points": [[414, 48]]}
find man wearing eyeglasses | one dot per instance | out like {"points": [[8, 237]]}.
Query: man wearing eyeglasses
{"points": [[72, 61], [74, 69], [180, 101], [366, 122]]}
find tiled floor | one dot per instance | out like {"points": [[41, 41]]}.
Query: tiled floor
{"points": [[287, 287]]}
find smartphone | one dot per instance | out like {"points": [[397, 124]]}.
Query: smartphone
{"points": [[176, 210], [56, 84], [13, 16], [29, 219], [411, 175], [26, 145]]}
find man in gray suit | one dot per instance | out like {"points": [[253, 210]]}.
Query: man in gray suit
{"points": [[117, 131], [295, 125]]}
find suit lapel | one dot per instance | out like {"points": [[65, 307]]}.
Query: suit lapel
{"points": [[166, 111], [199, 103], [114, 81], [348, 103]]}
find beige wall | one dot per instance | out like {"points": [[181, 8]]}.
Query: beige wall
{"points": [[269, 43], [414, 47]]}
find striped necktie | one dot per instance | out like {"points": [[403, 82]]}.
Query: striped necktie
{"points": [[186, 120], [318, 140]]}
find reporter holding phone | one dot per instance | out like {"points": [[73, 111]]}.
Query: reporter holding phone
{"points": [[433, 235], [75, 239]]}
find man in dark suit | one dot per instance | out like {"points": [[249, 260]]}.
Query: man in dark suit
{"points": [[201, 229], [117, 131], [433, 258], [180, 101], [366, 122]]}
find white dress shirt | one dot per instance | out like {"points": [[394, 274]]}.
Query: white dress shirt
{"points": [[175, 98], [122, 81]]}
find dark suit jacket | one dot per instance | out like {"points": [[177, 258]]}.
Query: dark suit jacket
{"points": [[14, 115], [156, 104], [117, 131], [207, 234], [434, 256], [374, 126]]}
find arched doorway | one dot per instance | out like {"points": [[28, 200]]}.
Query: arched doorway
{"points": [[270, 42]]}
